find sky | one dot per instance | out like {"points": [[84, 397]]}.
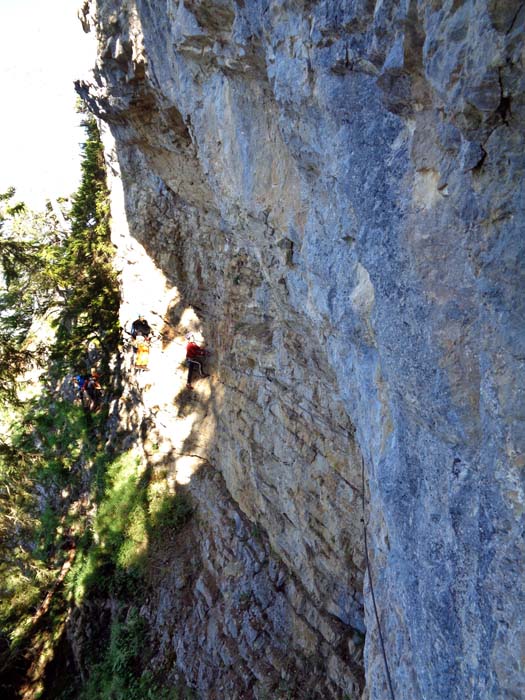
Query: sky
{"points": [[43, 50]]}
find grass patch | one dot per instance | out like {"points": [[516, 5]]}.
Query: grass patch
{"points": [[47, 439], [127, 512], [47, 532], [117, 674], [169, 513], [132, 512], [116, 543]]}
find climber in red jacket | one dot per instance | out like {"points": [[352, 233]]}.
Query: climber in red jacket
{"points": [[194, 358]]}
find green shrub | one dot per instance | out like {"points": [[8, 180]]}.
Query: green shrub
{"points": [[118, 672], [132, 512], [171, 513]]}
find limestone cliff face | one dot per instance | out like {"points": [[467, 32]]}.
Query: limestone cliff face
{"points": [[330, 194]]}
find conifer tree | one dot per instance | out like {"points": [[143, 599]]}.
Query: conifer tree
{"points": [[19, 260], [90, 306], [63, 278]]}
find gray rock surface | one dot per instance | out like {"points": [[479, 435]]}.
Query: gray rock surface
{"points": [[331, 194]]}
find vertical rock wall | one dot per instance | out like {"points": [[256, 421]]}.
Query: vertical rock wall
{"points": [[331, 195]]}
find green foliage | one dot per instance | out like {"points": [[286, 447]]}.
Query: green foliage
{"points": [[55, 270], [115, 547], [61, 492], [64, 274], [171, 513], [132, 513], [46, 534], [167, 512], [46, 444], [18, 260], [90, 305], [28, 288], [117, 674], [55, 434]]}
